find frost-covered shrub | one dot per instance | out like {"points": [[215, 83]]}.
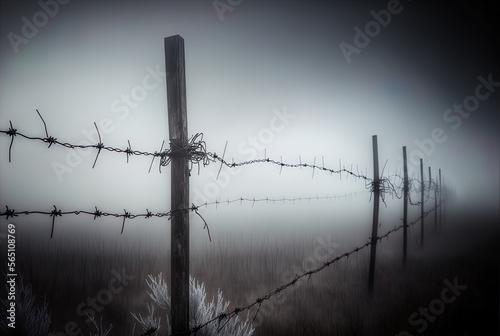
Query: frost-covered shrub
{"points": [[200, 311], [31, 319], [99, 328], [150, 323]]}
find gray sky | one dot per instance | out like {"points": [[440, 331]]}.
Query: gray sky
{"points": [[292, 77]]}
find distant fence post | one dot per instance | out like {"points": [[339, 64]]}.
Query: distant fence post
{"points": [[422, 192], [440, 200], [177, 127], [430, 183], [429, 192], [376, 201], [405, 207], [435, 186]]}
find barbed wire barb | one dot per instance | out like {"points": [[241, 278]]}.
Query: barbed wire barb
{"points": [[221, 163], [12, 132], [128, 151], [48, 138], [53, 214], [195, 209], [314, 165], [99, 146]]}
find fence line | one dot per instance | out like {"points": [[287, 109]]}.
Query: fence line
{"points": [[11, 213], [279, 200], [183, 151], [196, 152]]}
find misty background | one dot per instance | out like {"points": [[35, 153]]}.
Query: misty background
{"points": [[272, 80], [292, 81]]}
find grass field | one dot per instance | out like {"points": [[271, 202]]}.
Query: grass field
{"points": [[332, 302]]}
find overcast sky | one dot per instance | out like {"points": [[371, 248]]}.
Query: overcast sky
{"points": [[308, 78]]}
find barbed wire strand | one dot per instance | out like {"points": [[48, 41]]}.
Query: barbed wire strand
{"points": [[11, 213], [279, 200], [195, 150], [96, 213]]}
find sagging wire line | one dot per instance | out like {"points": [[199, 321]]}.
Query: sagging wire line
{"points": [[195, 150], [258, 302], [11, 213], [215, 157], [279, 200]]}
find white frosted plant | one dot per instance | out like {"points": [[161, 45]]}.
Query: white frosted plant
{"points": [[150, 324], [99, 328], [200, 311], [31, 319]]}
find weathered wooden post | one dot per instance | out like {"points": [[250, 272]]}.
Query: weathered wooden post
{"points": [[430, 183], [376, 201], [422, 191], [405, 207], [435, 206], [179, 190], [429, 191]]}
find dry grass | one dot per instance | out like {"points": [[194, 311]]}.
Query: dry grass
{"points": [[333, 302]]}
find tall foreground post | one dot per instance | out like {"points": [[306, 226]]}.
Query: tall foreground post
{"points": [[440, 199], [177, 128], [376, 201], [422, 191], [405, 207]]}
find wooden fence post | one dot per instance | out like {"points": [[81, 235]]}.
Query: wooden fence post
{"points": [[430, 183], [376, 201], [422, 187], [435, 206], [430, 189], [177, 127], [405, 207], [440, 200]]}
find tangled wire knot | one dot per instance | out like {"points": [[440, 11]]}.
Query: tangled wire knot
{"points": [[195, 150]]}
